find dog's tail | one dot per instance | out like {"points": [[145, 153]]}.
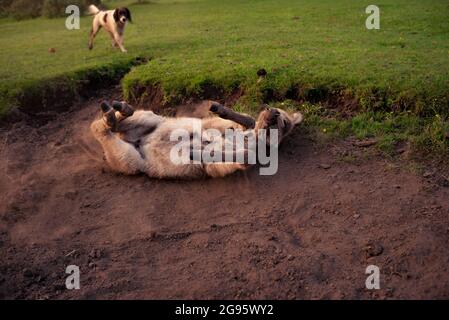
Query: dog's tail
{"points": [[93, 10]]}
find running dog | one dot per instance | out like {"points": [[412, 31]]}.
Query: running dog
{"points": [[141, 141], [113, 21]]}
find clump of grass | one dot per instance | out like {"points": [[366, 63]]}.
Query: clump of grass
{"points": [[427, 134], [390, 129], [434, 136]]}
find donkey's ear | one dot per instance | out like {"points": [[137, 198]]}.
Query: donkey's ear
{"points": [[128, 15], [297, 118]]}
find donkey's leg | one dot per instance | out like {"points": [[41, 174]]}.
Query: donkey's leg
{"points": [[123, 109], [133, 126], [120, 155], [228, 164], [229, 114], [218, 170]]}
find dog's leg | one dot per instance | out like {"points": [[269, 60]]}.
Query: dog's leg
{"points": [[120, 155], [119, 40], [229, 114], [95, 29], [113, 42]]}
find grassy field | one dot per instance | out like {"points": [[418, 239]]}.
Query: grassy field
{"points": [[310, 49], [306, 44]]}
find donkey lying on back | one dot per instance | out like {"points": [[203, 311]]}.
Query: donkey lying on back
{"points": [[142, 142]]}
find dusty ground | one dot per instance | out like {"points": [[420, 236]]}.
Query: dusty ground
{"points": [[308, 232]]}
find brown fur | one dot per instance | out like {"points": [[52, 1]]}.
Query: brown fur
{"points": [[140, 141]]}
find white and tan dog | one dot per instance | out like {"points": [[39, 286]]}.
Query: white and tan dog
{"points": [[113, 21], [141, 141]]}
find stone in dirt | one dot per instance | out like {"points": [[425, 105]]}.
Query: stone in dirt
{"points": [[373, 249], [324, 166], [365, 143]]}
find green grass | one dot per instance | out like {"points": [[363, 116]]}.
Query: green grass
{"points": [[326, 48], [28, 68], [425, 135], [311, 49], [315, 46]]}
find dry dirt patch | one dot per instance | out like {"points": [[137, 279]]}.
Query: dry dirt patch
{"points": [[308, 232]]}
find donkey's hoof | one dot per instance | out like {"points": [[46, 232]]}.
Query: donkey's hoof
{"points": [[110, 120], [125, 109], [108, 116], [105, 107]]}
